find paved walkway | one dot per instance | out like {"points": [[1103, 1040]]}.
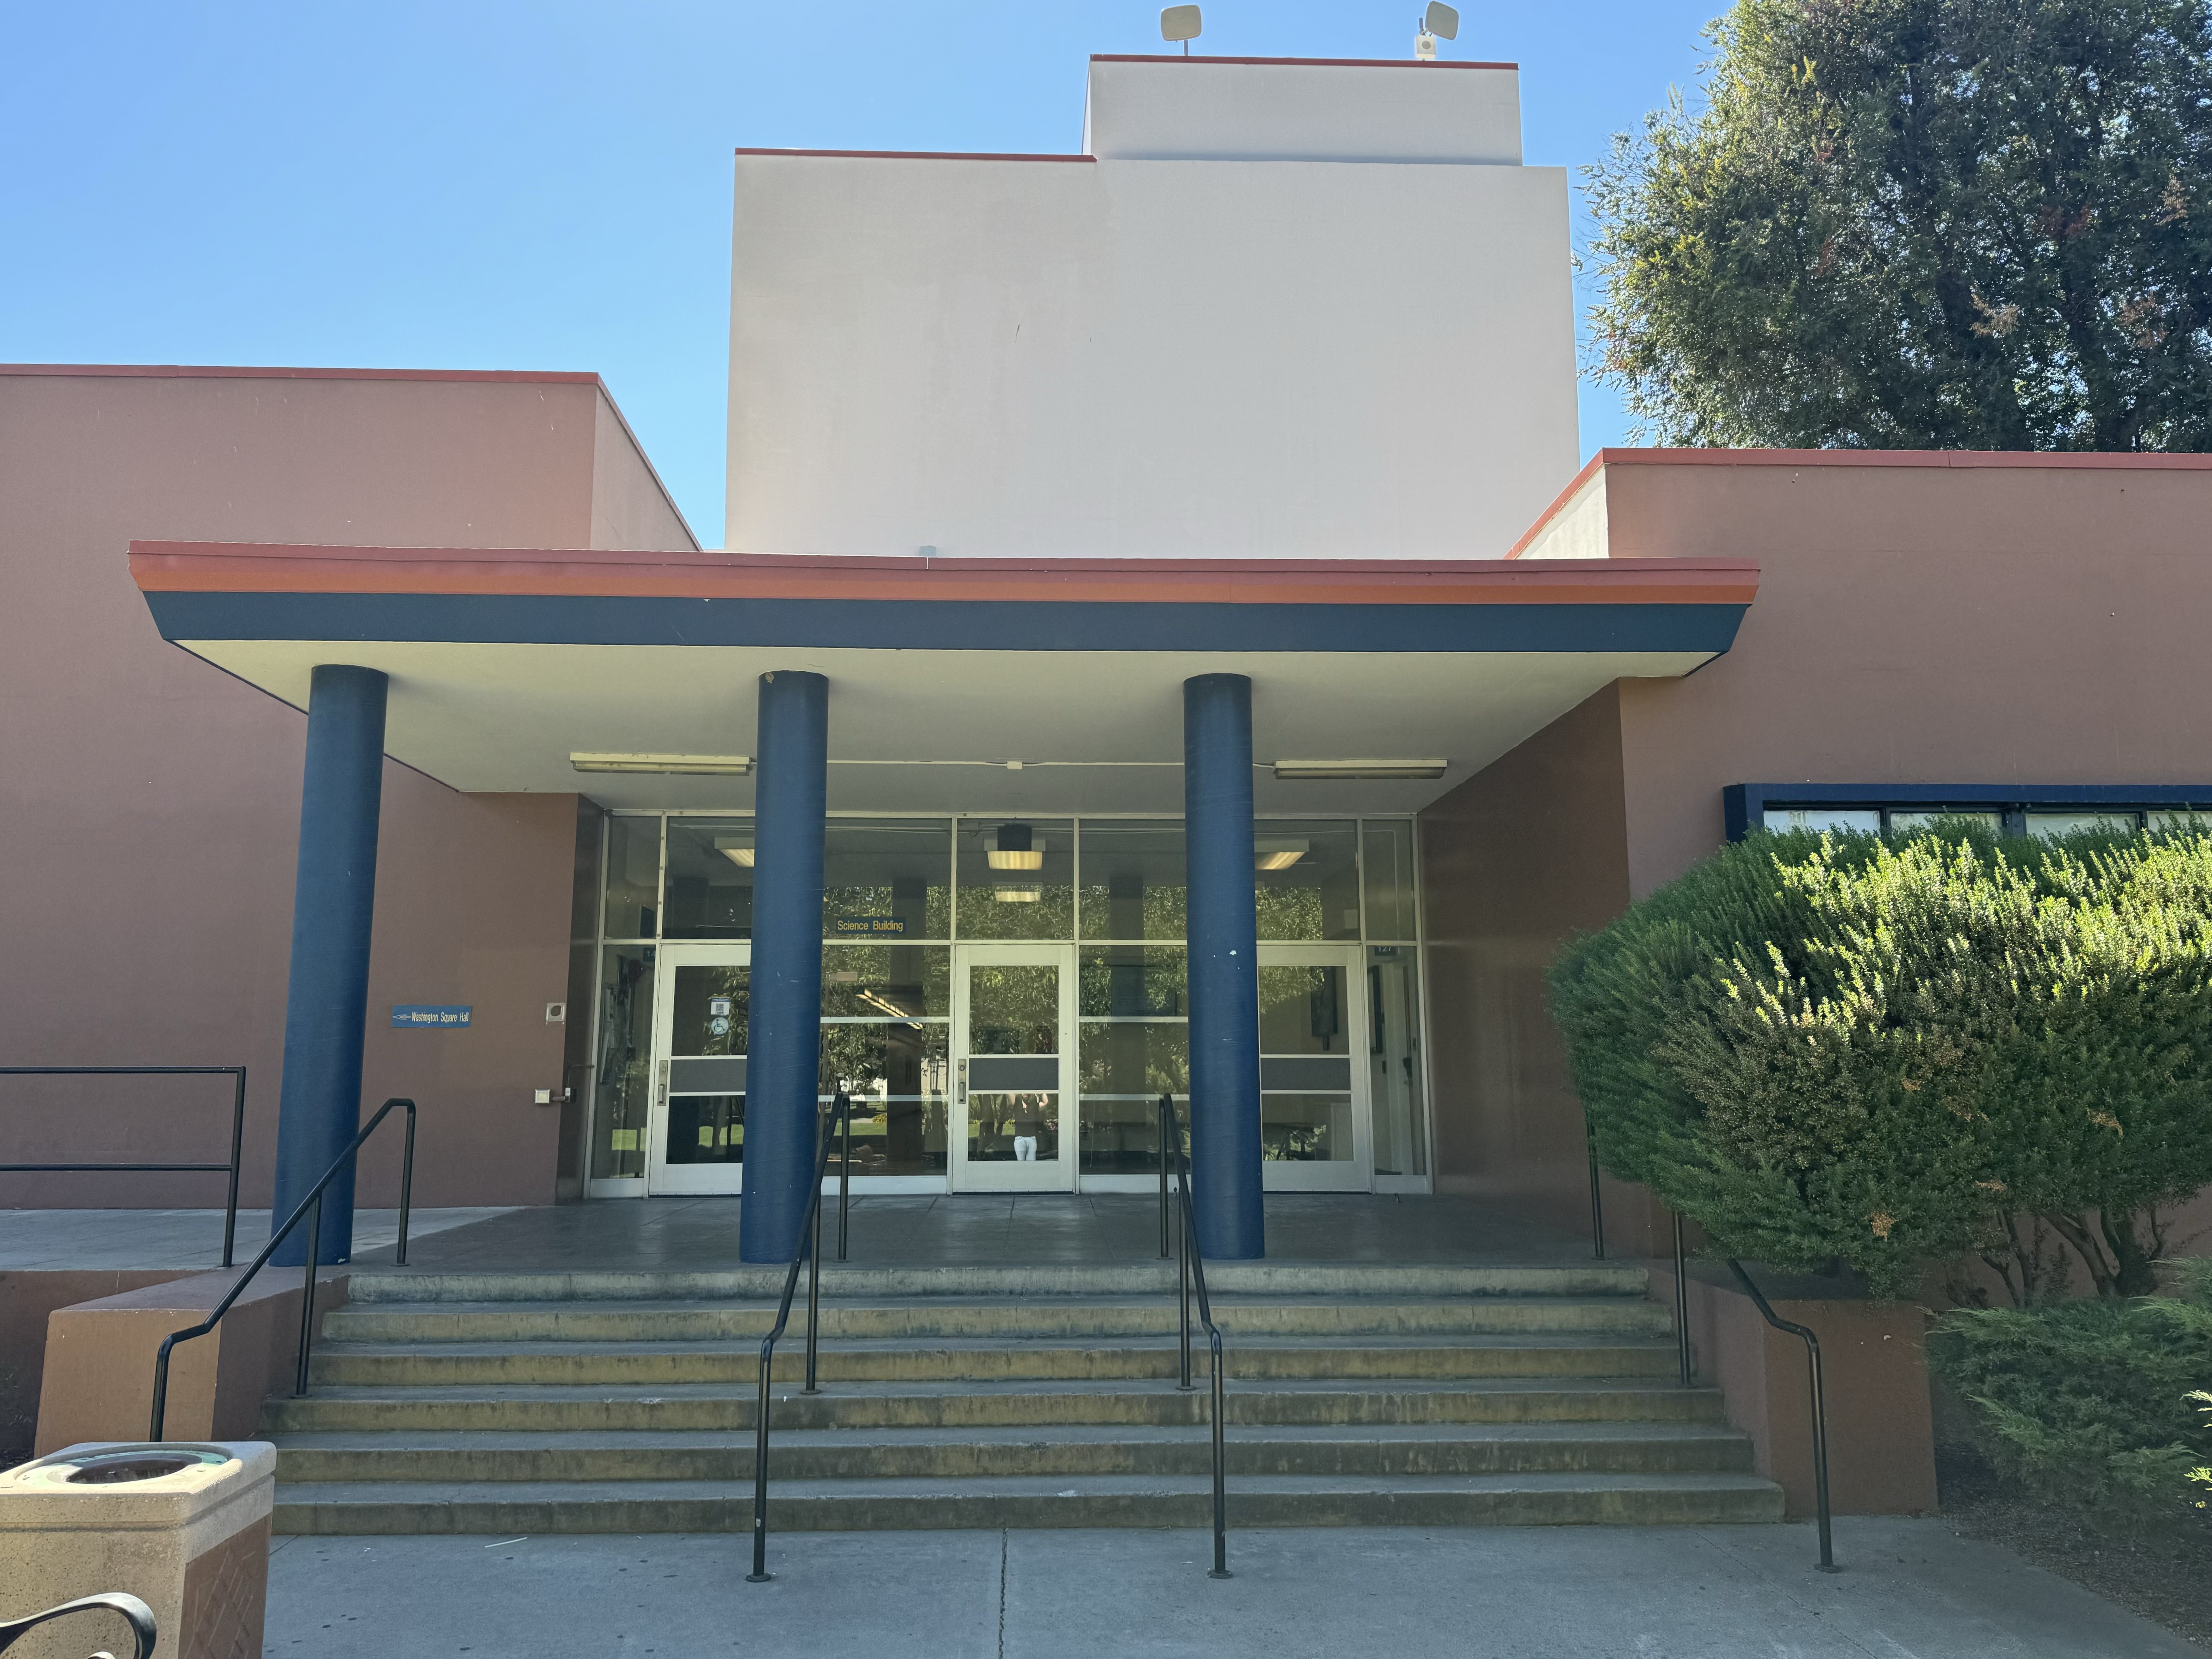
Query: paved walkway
{"points": [[1911, 1589], [155, 1239], [974, 1230]]}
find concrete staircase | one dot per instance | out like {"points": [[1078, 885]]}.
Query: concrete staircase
{"points": [[1004, 1397]]}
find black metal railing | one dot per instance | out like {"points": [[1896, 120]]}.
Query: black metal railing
{"points": [[807, 1250], [237, 1132], [1597, 1192], [136, 1613], [1190, 1274], [1681, 1309], [1819, 1408], [311, 1205]]}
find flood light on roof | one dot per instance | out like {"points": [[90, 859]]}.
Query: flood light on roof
{"points": [[1360, 769], [715, 765], [1440, 21], [1180, 23]]}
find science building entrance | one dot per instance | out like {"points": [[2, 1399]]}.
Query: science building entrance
{"points": [[1005, 1001]]}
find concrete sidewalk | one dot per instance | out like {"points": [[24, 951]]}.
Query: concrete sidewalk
{"points": [[1912, 1590]]}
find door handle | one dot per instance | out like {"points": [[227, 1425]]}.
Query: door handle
{"points": [[664, 1083], [962, 1091]]}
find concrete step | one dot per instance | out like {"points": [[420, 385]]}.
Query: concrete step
{"points": [[968, 1454], [1257, 1358], [840, 1281], [518, 1408], [880, 1504], [951, 1317]]}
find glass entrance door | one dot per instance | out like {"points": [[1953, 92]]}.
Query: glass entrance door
{"points": [[1315, 1135], [1013, 1062], [696, 1139]]}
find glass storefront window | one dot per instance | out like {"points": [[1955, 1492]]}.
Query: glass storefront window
{"points": [[622, 1069], [1132, 1006], [1307, 872], [1394, 1056], [633, 878], [1387, 861], [710, 878], [1134, 881], [1016, 878], [886, 982], [895, 1071], [887, 878]]}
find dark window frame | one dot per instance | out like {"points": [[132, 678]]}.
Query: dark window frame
{"points": [[1744, 805]]}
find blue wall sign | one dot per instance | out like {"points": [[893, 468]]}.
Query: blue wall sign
{"points": [[874, 926], [431, 1014]]}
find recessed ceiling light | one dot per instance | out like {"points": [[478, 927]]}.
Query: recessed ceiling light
{"points": [[1360, 769], [1279, 854], [1010, 895], [703, 765], [739, 852]]}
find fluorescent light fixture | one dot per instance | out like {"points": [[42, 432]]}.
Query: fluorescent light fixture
{"points": [[739, 852], [1013, 847], [1279, 854], [1360, 769], [1012, 895], [703, 765]]}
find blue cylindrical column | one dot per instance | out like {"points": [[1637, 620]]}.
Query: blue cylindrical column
{"points": [[784, 1057], [326, 1003], [1225, 969]]}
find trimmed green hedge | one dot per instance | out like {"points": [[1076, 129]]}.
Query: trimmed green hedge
{"points": [[1847, 1049]]}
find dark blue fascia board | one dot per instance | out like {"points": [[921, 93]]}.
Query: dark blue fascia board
{"points": [[1744, 804], [942, 625]]}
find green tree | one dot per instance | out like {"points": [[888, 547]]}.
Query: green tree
{"points": [[1974, 224]]}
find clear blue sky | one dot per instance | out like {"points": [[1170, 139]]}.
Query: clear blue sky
{"points": [[546, 185]]}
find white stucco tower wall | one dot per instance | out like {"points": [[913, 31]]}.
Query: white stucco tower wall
{"points": [[1278, 309]]}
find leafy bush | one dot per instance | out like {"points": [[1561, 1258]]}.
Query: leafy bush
{"points": [[1843, 1049], [2088, 1401]]}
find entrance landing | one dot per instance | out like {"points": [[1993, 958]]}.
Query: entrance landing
{"points": [[973, 1230]]}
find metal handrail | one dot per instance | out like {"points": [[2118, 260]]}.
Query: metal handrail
{"points": [[1597, 1191], [1191, 1271], [809, 1248], [1681, 1309], [237, 1132], [136, 1613], [1819, 1408], [312, 1203]]}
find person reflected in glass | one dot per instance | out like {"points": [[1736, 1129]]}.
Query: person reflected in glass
{"points": [[1027, 1126]]}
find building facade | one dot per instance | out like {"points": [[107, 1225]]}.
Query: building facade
{"points": [[1162, 646]]}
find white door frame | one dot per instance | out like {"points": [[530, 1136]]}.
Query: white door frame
{"points": [[660, 1176], [1357, 1173], [963, 1177]]}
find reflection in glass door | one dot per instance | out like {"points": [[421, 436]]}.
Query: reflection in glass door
{"points": [[1314, 1127], [1013, 1010], [700, 1030]]}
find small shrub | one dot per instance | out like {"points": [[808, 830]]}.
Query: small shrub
{"points": [[2089, 1402]]}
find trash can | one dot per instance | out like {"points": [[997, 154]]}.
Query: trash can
{"points": [[183, 1525]]}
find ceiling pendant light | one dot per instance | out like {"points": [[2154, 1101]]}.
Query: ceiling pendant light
{"points": [[1013, 847]]}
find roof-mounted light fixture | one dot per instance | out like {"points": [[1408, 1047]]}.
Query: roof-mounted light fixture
{"points": [[1180, 23], [1438, 20], [700, 765], [1360, 769]]}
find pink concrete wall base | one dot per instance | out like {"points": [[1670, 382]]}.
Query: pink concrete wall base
{"points": [[1881, 1440], [98, 1381]]}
